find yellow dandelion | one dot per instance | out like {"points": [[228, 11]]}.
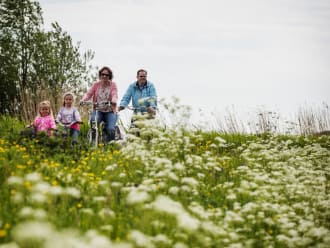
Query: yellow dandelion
{"points": [[27, 184], [79, 205], [20, 166], [3, 233]]}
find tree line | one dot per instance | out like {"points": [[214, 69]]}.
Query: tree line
{"points": [[36, 64]]}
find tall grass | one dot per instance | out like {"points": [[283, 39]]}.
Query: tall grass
{"points": [[307, 121]]}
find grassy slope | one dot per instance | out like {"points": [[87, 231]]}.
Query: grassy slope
{"points": [[178, 188]]}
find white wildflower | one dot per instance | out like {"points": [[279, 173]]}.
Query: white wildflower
{"points": [[136, 196], [116, 185], [213, 229], [55, 190], [40, 214], [99, 199], [99, 242], [106, 212], [174, 190], [41, 187], [87, 211], [173, 176], [220, 140], [231, 196], [38, 198], [73, 192], [180, 245], [185, 188], [179, 167], [18, 197], [318, 232], [108, 228], [190, 181], [15, 180], [33, 177], [162, 240], [140, 239], [167, 205], [32, 233], [111, 167], [25, 212], [103, 183]]}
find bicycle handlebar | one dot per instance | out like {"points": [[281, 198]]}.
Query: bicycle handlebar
{"points": [[68, 124], [95, 104]]}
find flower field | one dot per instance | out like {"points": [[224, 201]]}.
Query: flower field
{"points": [[166, 188]]}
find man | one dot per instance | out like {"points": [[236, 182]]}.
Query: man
{"points": [[142, 93]]}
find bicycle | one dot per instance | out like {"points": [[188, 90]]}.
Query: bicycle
{"points": [[97, 133], [64, 130], [139, 115]]}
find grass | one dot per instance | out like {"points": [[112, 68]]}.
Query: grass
{"points": [[171, 187]]}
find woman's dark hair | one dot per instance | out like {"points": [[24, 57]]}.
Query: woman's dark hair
{"points": [[109, 71]]}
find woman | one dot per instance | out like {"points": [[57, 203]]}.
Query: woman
{"points": [[102, 92]]}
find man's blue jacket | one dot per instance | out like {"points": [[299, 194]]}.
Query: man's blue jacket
{"points": [[142, 97]]}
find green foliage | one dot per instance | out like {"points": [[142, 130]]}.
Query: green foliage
{"points": [[36, 64]]}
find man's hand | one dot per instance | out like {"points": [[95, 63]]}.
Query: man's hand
{"points": [[151, 110]]}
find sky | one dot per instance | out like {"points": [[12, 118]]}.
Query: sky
{"points": [[211, 54]]}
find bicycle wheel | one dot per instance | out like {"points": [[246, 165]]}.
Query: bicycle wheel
{"points": [[91, 137], [118, 134], [103, 134]]}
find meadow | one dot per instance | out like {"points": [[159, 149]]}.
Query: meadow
{"points": [[170, 187]]}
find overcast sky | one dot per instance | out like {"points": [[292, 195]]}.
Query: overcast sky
{"points": [[211, 54]]}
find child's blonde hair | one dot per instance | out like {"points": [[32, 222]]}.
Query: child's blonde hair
{"points": [[68, 94], [47, 105]]}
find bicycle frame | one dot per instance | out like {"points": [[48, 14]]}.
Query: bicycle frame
{"points": [[96, 132]]}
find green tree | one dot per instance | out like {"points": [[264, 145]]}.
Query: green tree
{"points": [[35, 64]]}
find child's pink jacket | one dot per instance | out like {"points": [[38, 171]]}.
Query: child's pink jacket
{"points": [[44, 123]]}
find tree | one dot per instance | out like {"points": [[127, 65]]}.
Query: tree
{"points": [[35, 64]]}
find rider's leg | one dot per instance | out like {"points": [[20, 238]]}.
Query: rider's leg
{"points": [[91, 120], [111, 119], [74, 134]]}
